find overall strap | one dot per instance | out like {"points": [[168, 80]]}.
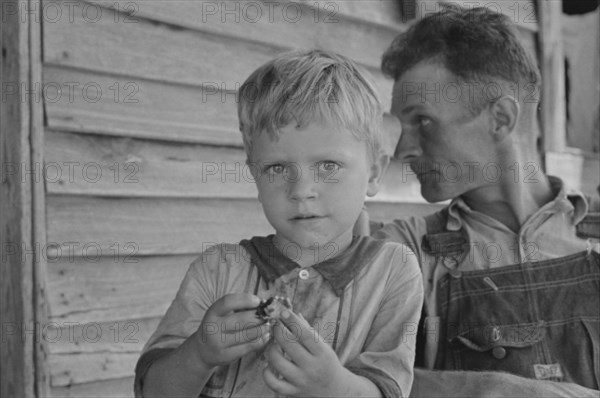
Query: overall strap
{"points": [[439, 244], [439, 241]]}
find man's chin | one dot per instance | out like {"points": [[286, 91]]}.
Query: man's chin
{"points": [[435, 194]]}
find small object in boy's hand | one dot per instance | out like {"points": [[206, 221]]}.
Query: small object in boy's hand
{"points": [[272, 307]]}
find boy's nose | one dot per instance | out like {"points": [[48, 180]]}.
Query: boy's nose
{"points": [[303, 187], [408, 146]]}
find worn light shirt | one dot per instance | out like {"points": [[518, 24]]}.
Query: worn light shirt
{"points": [[364, 302]]}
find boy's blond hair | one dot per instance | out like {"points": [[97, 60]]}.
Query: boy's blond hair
{"points": [[306, 86]]}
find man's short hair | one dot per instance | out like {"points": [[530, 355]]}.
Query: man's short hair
{"points": [[305, 86], [480, 47]]}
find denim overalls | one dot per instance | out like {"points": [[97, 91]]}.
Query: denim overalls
{"points": [[536, 319]]}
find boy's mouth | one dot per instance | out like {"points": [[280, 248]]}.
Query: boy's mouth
{"points": [[301, 217]]}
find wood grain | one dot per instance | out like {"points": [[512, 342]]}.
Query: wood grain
{"points": [[117, 388], [147, 226], [89, 102], [87, 367], [17, 283], [186, 57], [78, 164], [360, 29], [112, 288]]}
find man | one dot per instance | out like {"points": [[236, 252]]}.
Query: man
{"points": [[512, 284]]}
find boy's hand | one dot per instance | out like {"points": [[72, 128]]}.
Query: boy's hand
{"points": [[230, 329], [306, 364]]}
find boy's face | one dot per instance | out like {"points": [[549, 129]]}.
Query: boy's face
{"points": [[312, 183]]}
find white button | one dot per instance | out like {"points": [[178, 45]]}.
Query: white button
{"points": [[303, 274]]}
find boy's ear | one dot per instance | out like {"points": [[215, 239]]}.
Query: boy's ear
{"points": [[255, 172], [392, 130], [505, 113], [378, 169]]}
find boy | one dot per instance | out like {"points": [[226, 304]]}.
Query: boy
{"points": [[310, 123]]}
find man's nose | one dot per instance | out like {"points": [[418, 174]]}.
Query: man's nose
{"points": [[302, 186], [408, 146]]}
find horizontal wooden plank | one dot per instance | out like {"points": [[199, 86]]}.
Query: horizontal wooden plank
{"points": [[102, 226], [148, 226], [151, 50], [116, 287], [71, 369], [520, 12], [579, 170], [360, 29], [112, 388], [107, 166], [76, 337], [88, 102], [381, 12], [185, 56]]}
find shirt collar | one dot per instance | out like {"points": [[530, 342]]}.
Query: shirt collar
{"points": [[566, 200], [338, 271]]}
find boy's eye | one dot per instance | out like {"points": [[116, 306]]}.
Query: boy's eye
{"points": [[328, 166], [276, 169]]}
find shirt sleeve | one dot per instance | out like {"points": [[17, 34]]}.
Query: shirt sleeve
{"points": [[197, 292], [387, 358]]}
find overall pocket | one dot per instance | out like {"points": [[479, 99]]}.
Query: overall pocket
{"points": [[508, 348]]}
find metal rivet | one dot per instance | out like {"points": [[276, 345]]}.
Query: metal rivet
{"points": [[499, 352]]}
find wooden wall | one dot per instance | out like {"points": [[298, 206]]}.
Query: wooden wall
{"points": [[140, 123]]}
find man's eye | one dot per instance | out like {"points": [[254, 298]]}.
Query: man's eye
{"points": [[328, 167], [424, 121]]}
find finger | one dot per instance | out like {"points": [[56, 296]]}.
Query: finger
{"points": [[304, 333], [247, 336], [284, 366], [238, 350], [241, 320], [234, 302], [280, 386], [290, 344]]}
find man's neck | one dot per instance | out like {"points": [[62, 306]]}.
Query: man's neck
{"points": [[511, 203]]}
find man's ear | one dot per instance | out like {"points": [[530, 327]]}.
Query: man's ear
{"points": [[505, 114], [378, 169]]}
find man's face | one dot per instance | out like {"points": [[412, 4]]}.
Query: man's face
{"points": [[450, 150], [312, 183]]}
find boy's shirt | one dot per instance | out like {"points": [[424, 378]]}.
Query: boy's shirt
{"points": [[364, 302]]}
